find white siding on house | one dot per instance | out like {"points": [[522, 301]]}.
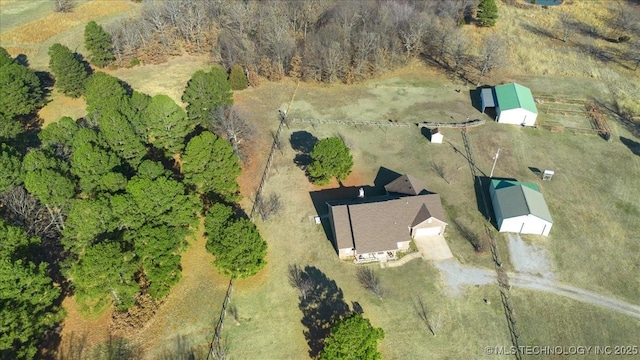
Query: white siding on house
{"points": [[517, 117], [526, 224]]}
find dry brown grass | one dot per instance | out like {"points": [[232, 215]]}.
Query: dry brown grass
{"points": [[80, 331], [17, 50], [60, 106], [37, 31]]}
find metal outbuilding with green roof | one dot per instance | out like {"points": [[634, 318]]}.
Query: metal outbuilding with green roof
{"points": [[515, 105], [519, 207]]}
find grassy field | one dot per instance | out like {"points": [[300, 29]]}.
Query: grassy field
{"points": [[31, 30], [576, 197], [571, 324], [14, 13]]}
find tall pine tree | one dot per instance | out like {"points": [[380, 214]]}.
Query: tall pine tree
{"points": [[27, 295], [237, 78], [205, 92], [487, 13], [98, 43], [68, 69]]}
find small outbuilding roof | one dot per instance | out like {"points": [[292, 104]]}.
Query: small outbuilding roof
{"points": [[520, 198], [406, 184], [486, 94], [515, 96]]}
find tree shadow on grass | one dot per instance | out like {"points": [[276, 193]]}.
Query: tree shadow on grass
{"points": [[322, 306], [624, 119], [634, 146], [181, 348], [303, 143]]}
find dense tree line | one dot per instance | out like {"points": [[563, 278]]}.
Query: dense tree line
{"points": [[103, 203], [315, 40], [329, 41]]}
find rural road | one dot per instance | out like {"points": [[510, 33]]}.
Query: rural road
{"points": [[456, 276]]}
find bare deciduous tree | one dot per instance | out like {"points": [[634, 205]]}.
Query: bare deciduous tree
{"points": [[269, 206], [625, 21], [64, 6], [440, 35], [491, 56], [370, 281], [26, 211], [479, 243], [299, 280], [458, 51], [567, 25], [412, 32], [433, 320], [228, 123], [441, 170]]}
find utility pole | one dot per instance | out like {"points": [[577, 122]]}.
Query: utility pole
{"points": [[495, 160]]}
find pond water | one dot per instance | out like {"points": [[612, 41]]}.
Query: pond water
{"points": [[545, 2]]}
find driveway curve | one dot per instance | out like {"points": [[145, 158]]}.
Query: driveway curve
{"points": [[457, 276]]}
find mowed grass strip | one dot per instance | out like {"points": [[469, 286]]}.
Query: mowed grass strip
{"points": [[17, 12], [37, 31], [549, 320]]}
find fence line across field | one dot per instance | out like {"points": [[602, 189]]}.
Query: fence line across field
{"points": [[391, 123]]}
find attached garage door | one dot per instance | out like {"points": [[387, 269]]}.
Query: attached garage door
{"points": [[427, 231]]}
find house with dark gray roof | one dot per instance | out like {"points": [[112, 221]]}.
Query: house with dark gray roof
{"points": [[519, 207], [379, 228]]}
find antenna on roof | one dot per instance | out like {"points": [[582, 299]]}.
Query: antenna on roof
{"points": [[495, 160]]}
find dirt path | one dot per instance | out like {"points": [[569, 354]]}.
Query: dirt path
{"points": [[458, 276]]}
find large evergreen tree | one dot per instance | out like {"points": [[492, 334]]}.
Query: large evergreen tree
{"points": [[119, 134], [93, 164], [69, 71], [20, 94], [86, 220], [162, 201], [205, 92], [331, 157], [103, 275], [487, 13], [352, 338], [20, 90], [10, 163], [210, 165], [98, 43], [59, 136], [237, 78], [164, 124], [105, 93], [46, 178], [5, 57], [157, 249], [27, 296], [237, 245]]}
